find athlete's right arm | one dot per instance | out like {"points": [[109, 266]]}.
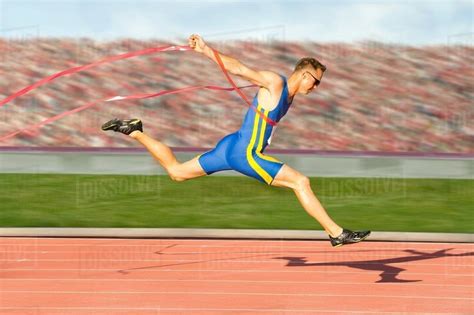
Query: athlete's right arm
{"points": [[262, 78]]}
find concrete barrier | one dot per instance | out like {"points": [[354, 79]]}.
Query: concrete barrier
{"points": [[226, 234], [139, 162]]}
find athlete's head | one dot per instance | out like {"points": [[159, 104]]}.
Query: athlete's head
{"points": [[309, 71]]}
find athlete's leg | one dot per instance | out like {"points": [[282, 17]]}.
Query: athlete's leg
{"points": [[288, 177], [163, 154]]}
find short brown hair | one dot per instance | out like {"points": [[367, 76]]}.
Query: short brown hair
{"points": [[309, 62]]}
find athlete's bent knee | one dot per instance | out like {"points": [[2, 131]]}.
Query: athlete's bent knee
{"points": [[301, 182]]}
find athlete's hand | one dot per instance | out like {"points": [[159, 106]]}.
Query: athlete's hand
{"points": [[197, 43]]}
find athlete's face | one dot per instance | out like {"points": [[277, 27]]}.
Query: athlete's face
{"points": [[311, 79]]}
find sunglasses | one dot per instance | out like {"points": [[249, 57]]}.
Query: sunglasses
{"points": [[316, 81]]}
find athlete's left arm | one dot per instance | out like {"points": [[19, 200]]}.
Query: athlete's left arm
{"points": [[266, 79]]}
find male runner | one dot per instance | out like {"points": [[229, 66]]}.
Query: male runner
{"points": [[242, 150]]}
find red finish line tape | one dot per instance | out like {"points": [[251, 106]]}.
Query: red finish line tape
{"points": [[117, 98], [242, 95], [128, 97], [91, 65]]}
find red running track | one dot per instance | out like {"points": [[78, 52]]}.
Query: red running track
{"points": [[131, 276]]}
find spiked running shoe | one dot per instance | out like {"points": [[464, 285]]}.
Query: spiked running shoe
{"points": [[123, 126], [348, 237]]}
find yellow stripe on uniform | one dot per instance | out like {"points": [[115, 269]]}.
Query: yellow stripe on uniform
{"points": [[260, 142], [257, 168]]}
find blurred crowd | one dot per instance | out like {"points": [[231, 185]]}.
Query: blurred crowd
{"points": [[373, 97]]}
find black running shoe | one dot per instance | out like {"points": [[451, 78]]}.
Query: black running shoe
{"points": [[348, 237], [123, 126]]}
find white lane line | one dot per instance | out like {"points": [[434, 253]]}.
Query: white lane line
{"points": [[363, 295], [158, 269], [158, 309], [442, 285], [263, 245], [152, 251], [390, 245], [210, 240], [230, 260]]}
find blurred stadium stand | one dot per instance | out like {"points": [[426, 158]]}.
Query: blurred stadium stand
{"points": [[374, 96]]}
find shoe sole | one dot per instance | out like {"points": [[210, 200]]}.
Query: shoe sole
{"points": [[354, 242]]}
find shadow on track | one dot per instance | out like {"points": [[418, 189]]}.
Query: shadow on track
{"points": [[388, 273]]}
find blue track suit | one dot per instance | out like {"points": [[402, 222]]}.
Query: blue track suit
{"points": [[242, 150]]}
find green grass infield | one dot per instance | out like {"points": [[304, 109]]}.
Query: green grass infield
{"points": [[381, 204]]}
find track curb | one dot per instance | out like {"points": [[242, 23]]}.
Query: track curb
{"points": [[226, 234]]}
